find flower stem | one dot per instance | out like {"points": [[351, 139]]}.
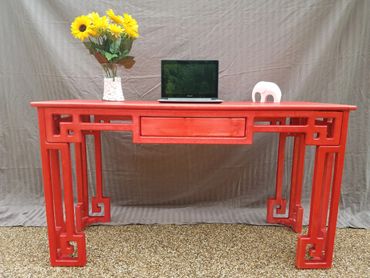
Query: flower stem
{"points": [[110, 70]]}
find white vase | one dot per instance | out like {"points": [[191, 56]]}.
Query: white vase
{"points": [[113, 89]]}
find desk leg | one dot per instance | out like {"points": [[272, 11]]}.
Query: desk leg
{"points": [[53, 215], [295, 208], [315, 250], [67, 247], [57, 194], [98, 202], [82, 207], [294, 219], [278, 202], [70, 240]]}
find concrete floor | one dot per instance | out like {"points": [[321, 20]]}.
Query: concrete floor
{"points": [[204, 250]]}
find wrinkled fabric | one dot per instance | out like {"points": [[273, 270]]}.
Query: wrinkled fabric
{"points": [[314, 50]]}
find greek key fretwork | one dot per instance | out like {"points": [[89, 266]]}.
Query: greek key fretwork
{"points": [[321, 128], [69, 127]]}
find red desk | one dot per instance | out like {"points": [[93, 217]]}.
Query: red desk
{"points": [[67, 122]]}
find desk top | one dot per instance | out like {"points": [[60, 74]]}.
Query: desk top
{"points": [[247, 105]]}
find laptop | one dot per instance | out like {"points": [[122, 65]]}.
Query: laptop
{"points": [[189, 81]]}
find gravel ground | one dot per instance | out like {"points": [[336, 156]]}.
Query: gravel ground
{"points": [[203, 250]]}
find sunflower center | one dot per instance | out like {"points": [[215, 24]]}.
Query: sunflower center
{"points": [[82, 28]]}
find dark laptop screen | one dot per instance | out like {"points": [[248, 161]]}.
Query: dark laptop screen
{"points": [[187, 78]]}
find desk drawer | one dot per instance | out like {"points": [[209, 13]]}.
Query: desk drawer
{"points": [[192, 127]]}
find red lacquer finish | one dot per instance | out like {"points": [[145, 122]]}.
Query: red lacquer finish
{"points": [[68, 122]]}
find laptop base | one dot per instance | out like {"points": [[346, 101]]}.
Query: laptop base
{"points": [[191, 100]]}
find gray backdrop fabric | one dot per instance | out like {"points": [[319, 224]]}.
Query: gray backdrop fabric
{"points": [[315, 50]]}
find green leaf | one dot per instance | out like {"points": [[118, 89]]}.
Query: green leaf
{"points": [[102, 52], [123, 54], [114, 47], [126, 44], [109, 56], [97, 45], [106, 44]]}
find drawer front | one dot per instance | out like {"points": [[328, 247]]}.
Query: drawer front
{"points": [[192, 127]]}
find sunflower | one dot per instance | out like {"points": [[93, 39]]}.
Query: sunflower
{"points": [[80, 27], [98, 24], [93, 16], [130, 25], [102, 22], [115, 30], [116, 18]]}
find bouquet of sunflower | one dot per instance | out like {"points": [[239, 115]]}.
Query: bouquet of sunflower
{"points": [[109, 38]]}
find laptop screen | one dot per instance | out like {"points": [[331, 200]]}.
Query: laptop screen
{"points": [[190, 78]]}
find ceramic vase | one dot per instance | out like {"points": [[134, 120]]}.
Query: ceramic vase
{"points": [[113, 89]]}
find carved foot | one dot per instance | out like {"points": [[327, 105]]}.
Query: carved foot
{"points": [[311, 253], [101, 205], [279, 206], [72, 251], [294, 220]]}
